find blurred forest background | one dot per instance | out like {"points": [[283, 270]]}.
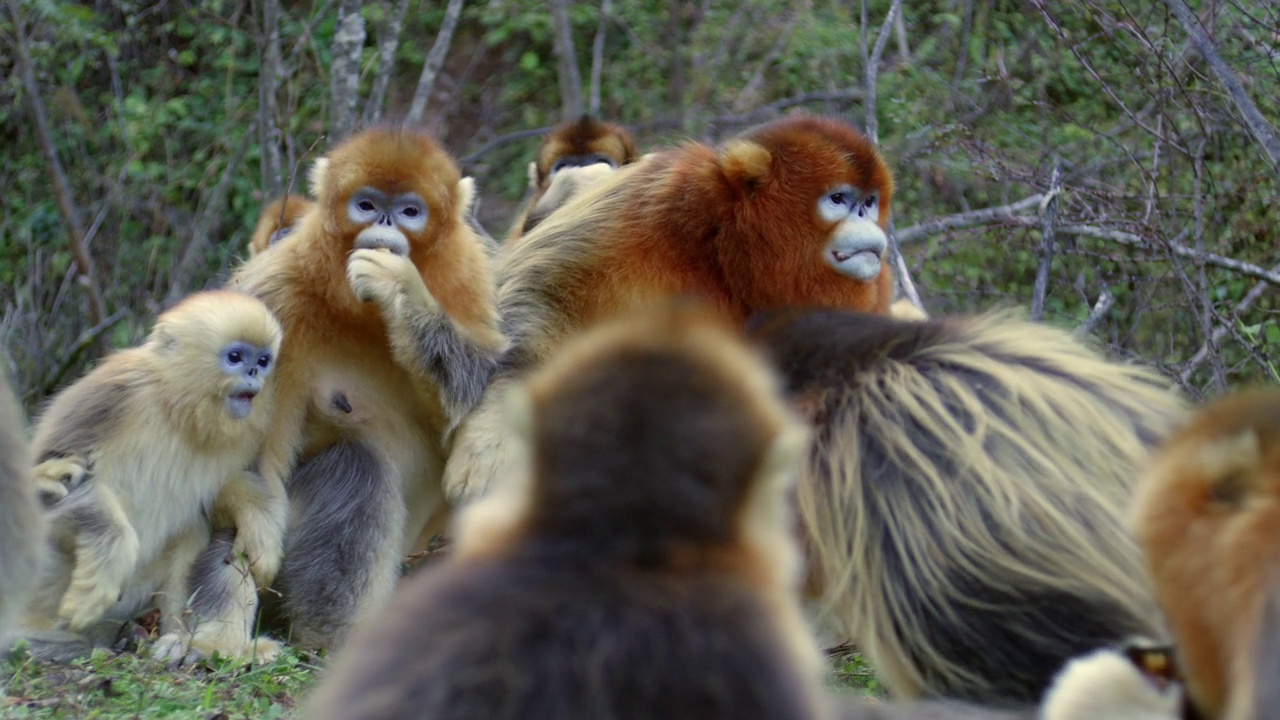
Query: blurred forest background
{"points": [[1112, 165]]}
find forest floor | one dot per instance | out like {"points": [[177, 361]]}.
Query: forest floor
{"points": [[129, 685]]}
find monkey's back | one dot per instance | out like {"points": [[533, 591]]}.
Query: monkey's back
{"points": [[523, 638]]}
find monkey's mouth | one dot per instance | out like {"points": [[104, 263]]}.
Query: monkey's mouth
{"points": [[240, 404], [843, 256]]}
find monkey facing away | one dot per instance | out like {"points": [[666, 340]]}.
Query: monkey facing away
{"points": [[386, 296], [636, 562], [1207, 514], [577, 144], [792, 212], [141, 455], [278, 220], [21, 522], [963, 504]]}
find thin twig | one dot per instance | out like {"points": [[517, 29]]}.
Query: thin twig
{"points": [[1048, 221], [984, 216], [1195, 361], [72, 356], [435, 61], [597, 56], [1100, 309], [388, 41]]}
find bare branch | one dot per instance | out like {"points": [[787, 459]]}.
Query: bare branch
{"points": [[750, 94], [268, 85], [901, 271], [1048, 220], [71, 357], [388, 41], [503, 140], [1100, 309], [566, 61], [1258, 125], [435, 61], [58, 176], [984, 216], [1220, 332], [348, 40], [597, 56], [871, 65], [201, 228]]}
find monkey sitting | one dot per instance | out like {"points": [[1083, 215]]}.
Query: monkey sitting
{"points": [[577, 144], [278, 219], [139, 456], [963, 504], [636, 562], [1207, 515]]}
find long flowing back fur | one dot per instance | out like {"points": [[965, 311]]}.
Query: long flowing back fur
{"points": [[963, 504]]}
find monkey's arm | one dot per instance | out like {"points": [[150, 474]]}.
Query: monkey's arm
{"points": [[106, 553], [258, 510], [459, 358]]}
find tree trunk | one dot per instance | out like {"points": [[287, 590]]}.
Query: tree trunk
{"points": [[597, 56], [435, 61], [345, 71], [57, 176], [388, 41], [566, 61], [268, 85]]}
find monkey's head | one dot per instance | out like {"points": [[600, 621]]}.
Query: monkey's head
{"points": [[648, 436], [390, 188], [580, 143], [811, 200], [1207, 513], [277, 221], [215, 351]]}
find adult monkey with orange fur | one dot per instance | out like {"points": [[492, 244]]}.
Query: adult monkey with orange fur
{"points": [[791, 212], [964, 503], [1207, 513], [582, 143], [278, 219], [636, 562], [391, 332]]}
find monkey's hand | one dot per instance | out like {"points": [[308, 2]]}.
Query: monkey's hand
{"points": [[258, 510], [57, 477], [86, 601], [388, 279]]}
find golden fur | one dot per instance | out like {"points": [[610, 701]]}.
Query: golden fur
{"points": [[738, 226], [277, 221], [1207, 513], [132, 457], [364, 325], [636, 562], [963, 506]]}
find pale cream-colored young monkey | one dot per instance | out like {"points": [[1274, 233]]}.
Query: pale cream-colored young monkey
{"points": [[142, 459]]}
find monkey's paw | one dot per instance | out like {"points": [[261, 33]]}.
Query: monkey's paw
{"points": [[263, 552], [57, 477], [379, 276], [173, 650]]}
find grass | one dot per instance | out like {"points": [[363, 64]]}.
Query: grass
{"points": [[129, 685]]}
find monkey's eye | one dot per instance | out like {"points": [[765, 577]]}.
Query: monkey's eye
{"points": [[235, 357], [264, 362], [366, 206], [840, 198], [871, 201], [411, 211]]}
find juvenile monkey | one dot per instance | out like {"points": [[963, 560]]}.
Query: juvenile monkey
{"points": [[386, 295], [566, 184], [278, 219], [789, 213], [636, 562], [582, 143], [963, 504], [21, 522], [141, 455], [1207, 514]]}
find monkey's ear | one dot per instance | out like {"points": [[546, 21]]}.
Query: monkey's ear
{"points": [[533, 174], [745, 164], [1229, 462], [466, 196], [315, 178], [162, 339]]}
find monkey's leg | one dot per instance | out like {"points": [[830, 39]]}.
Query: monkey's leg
{"points": [[342, 551], [220, 608], [106, 553], [258, 511], [479, 453]]}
